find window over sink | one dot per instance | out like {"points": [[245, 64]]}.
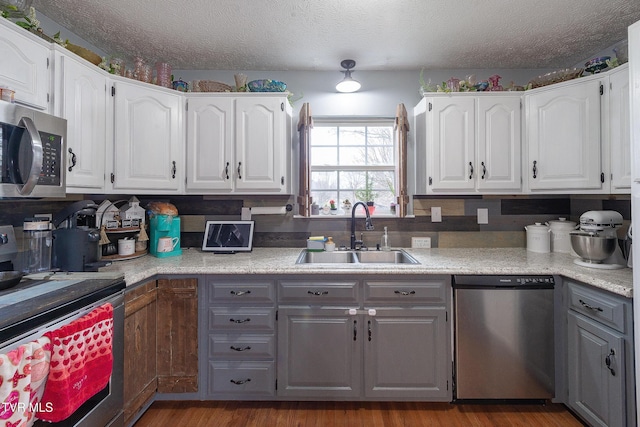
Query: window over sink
{"points": [[353, 160]]}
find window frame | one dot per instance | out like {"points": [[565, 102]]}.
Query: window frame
{"points": [[354, 121]]}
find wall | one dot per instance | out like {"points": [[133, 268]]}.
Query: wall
{"points": [[508, 215]]}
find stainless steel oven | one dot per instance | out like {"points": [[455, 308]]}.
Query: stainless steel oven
{"points": [[32, 153], [104, 408]]}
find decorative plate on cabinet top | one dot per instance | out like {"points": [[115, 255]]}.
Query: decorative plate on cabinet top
{"points": [[266, 85], [596, 65]]}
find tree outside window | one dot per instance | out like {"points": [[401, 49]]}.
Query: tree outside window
{"points": [[353, 160]]}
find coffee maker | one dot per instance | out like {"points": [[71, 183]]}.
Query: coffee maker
{"points": [[76, 238], [164, 229]]}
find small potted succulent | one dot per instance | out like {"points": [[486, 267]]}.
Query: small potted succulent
{"points": [[332, 207]]}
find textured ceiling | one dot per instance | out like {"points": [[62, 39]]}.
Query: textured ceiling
{"points": [[378, 34]]}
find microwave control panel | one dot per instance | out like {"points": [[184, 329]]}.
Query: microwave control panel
{"points": [[51, 159]]}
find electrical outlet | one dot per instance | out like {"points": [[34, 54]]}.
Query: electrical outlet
{"points": [[436, 214], [483, 216], [421, 242]]}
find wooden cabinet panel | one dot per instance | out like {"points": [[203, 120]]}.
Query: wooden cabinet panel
{"points": [[140, 380], [177, 335]]}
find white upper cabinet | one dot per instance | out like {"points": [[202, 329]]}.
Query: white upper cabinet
{"points": [[24, 67], [470, 142], [238, 143], [148, 153], [620, 130], [261, 149], [81, 98], [209, 144], [564, 137], [498, 156]]}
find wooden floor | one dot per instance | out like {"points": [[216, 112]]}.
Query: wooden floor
{"points": [[353, 414]]}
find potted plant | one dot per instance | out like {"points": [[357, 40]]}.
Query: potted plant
{"points": [[333, 208], [367, 195]]}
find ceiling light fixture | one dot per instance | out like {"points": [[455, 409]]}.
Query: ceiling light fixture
{"points": [[348, 84]]}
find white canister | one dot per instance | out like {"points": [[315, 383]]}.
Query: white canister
{"points": [[126, 247], [538, 238], [560, 238]]}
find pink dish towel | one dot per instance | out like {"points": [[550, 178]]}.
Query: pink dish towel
{"points": [[23, 374], [81, 363]]}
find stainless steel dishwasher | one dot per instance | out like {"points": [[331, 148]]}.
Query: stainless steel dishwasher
{"points": [[504, 337]]}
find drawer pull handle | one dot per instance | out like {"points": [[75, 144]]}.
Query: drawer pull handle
{"points": [[240, 348], [318, 293], [240, 293], [240, 382], [369, 330], [355, 330], [607, 360], [240, 320], [404, 293], [590, 307]]}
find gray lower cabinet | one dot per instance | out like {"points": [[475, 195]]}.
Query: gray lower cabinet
{"points": [[600, 356], [364, 339], [320, 353], [406, 354], [241, 343]]}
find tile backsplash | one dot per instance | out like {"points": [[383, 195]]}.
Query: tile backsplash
{"points": [[508, 215]]}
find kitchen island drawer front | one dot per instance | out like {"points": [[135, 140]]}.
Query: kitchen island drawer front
{"points": [[318, 292], [597, 305], [239, 319], [242, 291], [412, 292], [242, 346], [242, 379]]}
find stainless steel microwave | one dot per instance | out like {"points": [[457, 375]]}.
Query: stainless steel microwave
{"points": [[32, 153]]}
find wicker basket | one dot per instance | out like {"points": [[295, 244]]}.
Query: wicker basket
{"points": [[211, 86], [90, 56]]}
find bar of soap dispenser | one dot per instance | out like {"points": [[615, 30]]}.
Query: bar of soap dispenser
{"points": [[384, 243], [330, 246]]}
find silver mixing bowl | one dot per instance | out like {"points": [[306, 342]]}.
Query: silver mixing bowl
{"points": [[593, 248]]}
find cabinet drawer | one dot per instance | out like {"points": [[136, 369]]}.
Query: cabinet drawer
{"points": [[318, 292], [406, 292], [239, 319], [245, 379], [242, 346], [599, 306], [241, 292]]}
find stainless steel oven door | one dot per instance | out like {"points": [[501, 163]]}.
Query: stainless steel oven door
{"points": [[106, 407], [32, 155]]}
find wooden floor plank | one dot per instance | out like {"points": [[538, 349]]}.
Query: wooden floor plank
{"points": [[353, 414]]}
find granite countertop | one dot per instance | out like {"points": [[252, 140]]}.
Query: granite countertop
{"points": [[432, 261]]}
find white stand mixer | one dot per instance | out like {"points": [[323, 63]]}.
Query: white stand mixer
{"points": [[604, 223]]}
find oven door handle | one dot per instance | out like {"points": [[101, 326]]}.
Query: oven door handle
{"points": [[36, 162]]}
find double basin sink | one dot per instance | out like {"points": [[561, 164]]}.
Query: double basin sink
{"points": [[396, 256]]}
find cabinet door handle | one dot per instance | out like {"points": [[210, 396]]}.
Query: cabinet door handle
{"points": [[484, 170], [73, 159], [590, 307], [318, 293], [369, 330], [355, 330], [240, 320], [535, 169], [173, 170], [404, 293], [240, 348], [240, 382], [226, 170], [239, 170], [607, 360], [240, 293], [470, 170]]}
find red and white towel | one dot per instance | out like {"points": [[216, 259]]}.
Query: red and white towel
{"points": [[23, 373], [81, 363]]}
